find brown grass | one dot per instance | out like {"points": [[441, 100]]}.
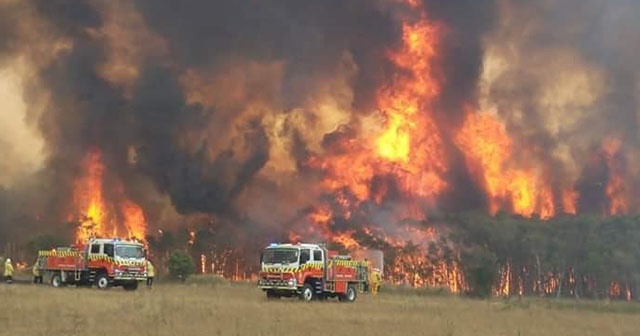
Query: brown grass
{"points": [[205, 308]]}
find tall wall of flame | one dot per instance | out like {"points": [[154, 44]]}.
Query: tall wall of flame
{"points": [[323, 118]]}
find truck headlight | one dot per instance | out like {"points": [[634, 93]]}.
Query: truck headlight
{"points": [[292, 282]]}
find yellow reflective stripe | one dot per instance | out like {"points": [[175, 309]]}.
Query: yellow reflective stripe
{"points": [[59, 253], [99, 257], [130, 263], [351, 263]]}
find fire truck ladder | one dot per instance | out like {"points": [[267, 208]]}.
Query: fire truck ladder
{"points": [[92, 276], [77, 273], [317, 287]]}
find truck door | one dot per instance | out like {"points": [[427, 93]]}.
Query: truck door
{"points": [[318, 258], [305, 256], [95, 250]]}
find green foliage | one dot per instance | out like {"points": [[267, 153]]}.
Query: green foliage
{"points": [[479, 266], [585, 253], [181, 265]]}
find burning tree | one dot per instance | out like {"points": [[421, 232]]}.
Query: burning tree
{"points": [[378, 124]]}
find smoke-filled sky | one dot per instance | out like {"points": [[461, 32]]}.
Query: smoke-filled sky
{"points": [[245, 109]]}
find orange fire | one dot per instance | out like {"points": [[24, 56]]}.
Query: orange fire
{"points": [[569, 200], [615, 188], [408, 156], [102, 215], [487, 148], [411, 143], [407, 149]]}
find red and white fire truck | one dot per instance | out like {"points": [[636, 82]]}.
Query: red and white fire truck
{"points": [[311, 271], [101, 262]]}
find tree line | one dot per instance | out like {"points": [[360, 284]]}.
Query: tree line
{"points": [[580, 256]]}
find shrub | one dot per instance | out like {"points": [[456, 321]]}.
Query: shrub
{"points": [[181, 265], [480, 270]]}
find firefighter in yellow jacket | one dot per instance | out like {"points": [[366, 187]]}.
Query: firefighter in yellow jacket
{"points": [[376, 280], [37, 275], [151, 273], [8, 271]]}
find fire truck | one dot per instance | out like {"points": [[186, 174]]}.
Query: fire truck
{"points": [[101, 262], [311, 271]]}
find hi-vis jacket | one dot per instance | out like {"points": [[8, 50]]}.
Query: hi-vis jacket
{"points": [[8, 269]]}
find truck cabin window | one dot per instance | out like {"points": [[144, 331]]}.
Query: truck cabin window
{"points": [[317, 255], [95, 248], [280, 256], [108, 250], [305, 255], [129, 251]]}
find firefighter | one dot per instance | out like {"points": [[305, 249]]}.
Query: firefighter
{"points": [[37, 276], [376, 279], [8, 271], [151, 273]]}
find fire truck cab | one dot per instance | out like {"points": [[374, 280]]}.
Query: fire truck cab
{"points": [[103, 262], [311, 271]]}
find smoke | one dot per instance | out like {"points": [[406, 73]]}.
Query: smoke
{"points": [[563, 76], [222, 107]]}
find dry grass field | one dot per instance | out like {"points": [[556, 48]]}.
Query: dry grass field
{"points": [[220, 308]]}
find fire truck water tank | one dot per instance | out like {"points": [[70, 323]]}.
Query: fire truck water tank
{"points": [[376, 257]]}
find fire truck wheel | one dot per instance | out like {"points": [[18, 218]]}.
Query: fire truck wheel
{"points": [[102, 281], [56, 281], [272, 295], [130, 286], [307, 293], [350, 295]]}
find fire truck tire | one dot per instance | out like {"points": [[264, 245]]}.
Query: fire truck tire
{"points": [[272, 295], [307, 293], [130, 286], [102, 281], [350, 295], [56, 280]]}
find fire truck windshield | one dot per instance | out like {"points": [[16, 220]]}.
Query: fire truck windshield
{"points": [[280, 256], [129, 251]]}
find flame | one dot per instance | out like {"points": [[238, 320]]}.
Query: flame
{"points": [[346, 240], [409, 146], [411, 140], [203, 263], [134, 221], [103, 216], [359, 167], [569, 200], [88, 194], [615, 290], [487, 148], [615, 189], [503, 287], [408, 151]]}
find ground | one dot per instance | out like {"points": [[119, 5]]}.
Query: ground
{"points": [[222, 308]]}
